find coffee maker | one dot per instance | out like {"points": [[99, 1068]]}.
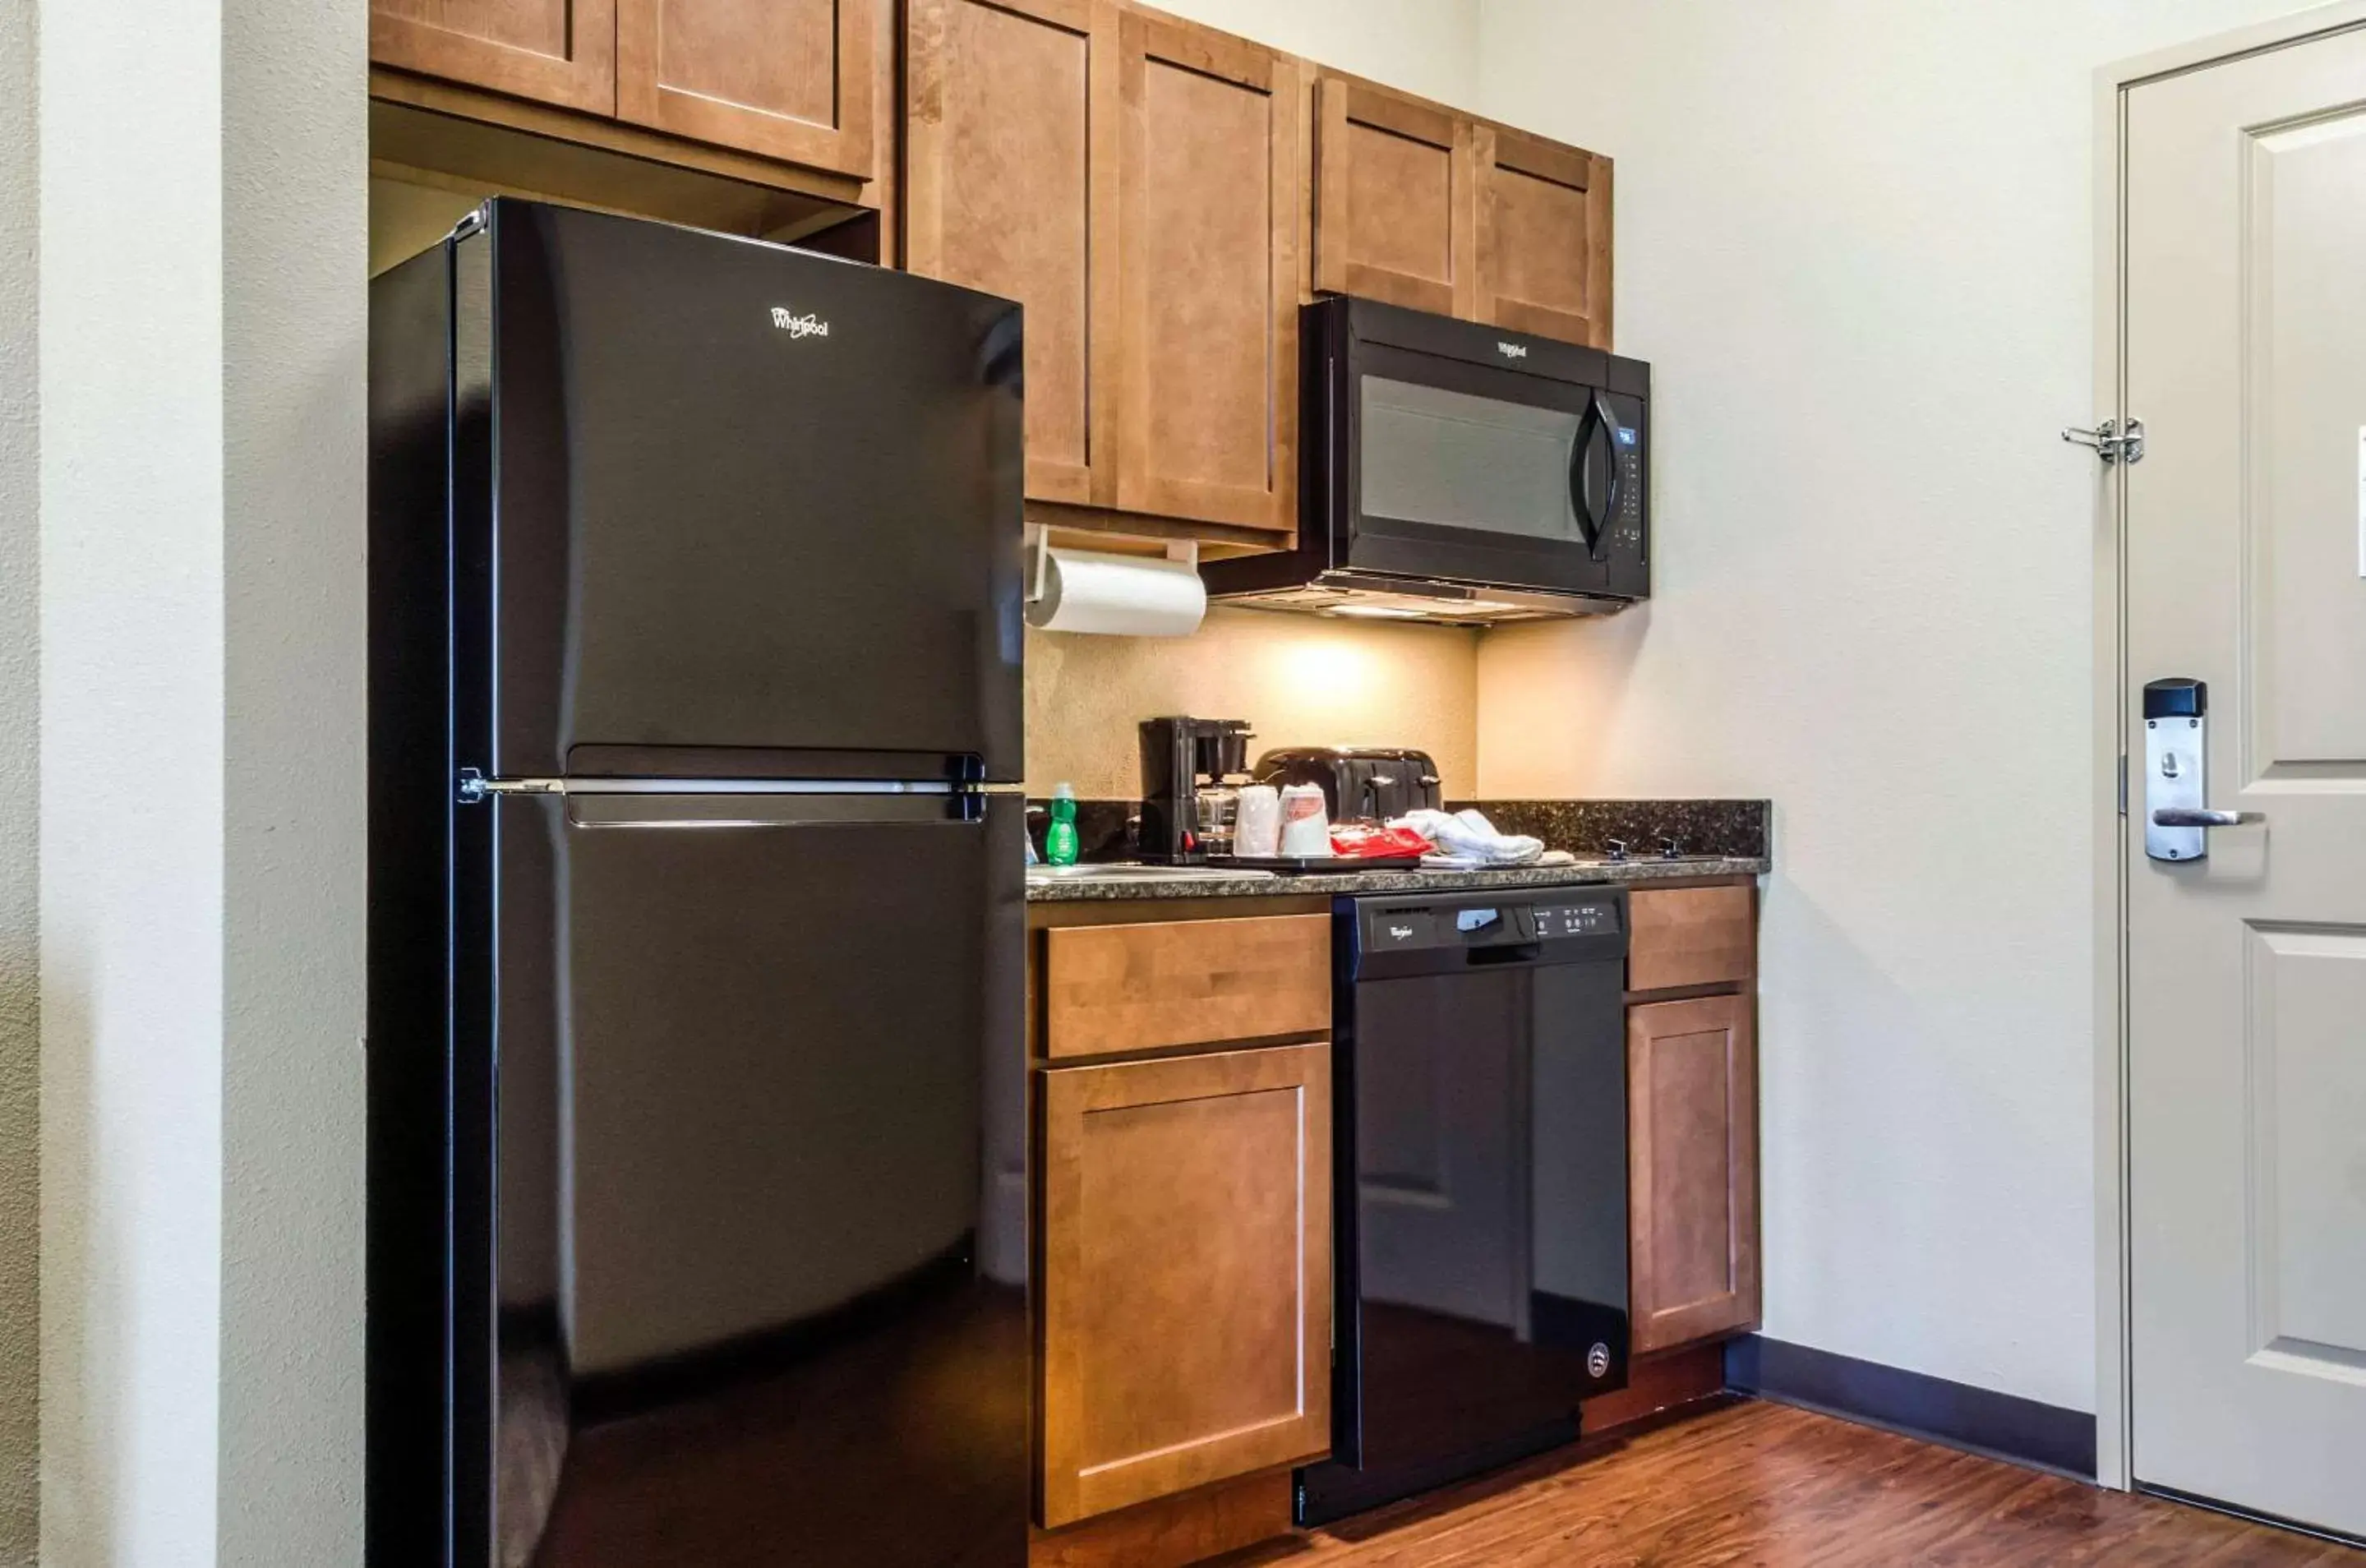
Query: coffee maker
{"points": [[1179, 757]]}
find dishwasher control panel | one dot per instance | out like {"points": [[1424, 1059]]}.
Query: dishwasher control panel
{"points": [[1450, 924], [1576, 919]]}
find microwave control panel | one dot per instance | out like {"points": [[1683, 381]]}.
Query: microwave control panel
{"points": [[1627, 523]]}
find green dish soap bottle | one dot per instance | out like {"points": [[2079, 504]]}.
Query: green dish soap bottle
{"points": [[1060, 835]]}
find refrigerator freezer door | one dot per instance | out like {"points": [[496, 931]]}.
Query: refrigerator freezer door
{"points": [[759, 1267], [746, 497]]}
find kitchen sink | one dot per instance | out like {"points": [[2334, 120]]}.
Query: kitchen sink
{"points": [[1129, 871]]}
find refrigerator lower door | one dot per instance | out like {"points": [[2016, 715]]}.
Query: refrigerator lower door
{"points": [[755, 1290]]}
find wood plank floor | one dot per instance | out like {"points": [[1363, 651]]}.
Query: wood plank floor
{"points": [[1766, 1485]]}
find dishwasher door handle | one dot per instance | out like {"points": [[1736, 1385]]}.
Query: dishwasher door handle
{"points": [[1508, 952]]}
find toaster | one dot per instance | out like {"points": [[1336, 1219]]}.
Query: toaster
{"points": [[1376, 782]]}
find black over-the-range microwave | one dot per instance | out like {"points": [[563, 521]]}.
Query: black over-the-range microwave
{"points": [[1458, 472]]}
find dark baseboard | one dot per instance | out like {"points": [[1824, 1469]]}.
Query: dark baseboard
{"points": [[2003, 1425]]}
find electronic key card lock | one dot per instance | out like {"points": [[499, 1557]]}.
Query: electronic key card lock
{"points": [[2177, 756]]}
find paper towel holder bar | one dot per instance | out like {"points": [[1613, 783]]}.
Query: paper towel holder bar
{"points": [[1039, 552]]}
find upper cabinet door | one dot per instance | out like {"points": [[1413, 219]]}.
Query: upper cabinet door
{"points": [[554, 51], [1544, 237], [1010, 165], [788, 79], [1394, 217], [1207, 325]]}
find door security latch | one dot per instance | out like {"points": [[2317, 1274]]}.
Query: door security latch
{"points": [[2109, 441]]}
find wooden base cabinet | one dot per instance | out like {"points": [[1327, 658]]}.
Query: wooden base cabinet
{"points": [[1691, 1095], [1186, 1216]]}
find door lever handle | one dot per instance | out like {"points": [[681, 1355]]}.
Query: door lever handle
{"points": [[2202, 816]]}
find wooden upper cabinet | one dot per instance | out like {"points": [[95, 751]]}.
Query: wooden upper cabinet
{"points": [[1009, 160], [1692, 1110], [1394, 218], [555, 52], [1209, 185], [1544, 237], [1185, 1227], [787, 79]]}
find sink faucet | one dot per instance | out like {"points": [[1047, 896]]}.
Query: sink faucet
{"points": [[1617, 850], [1669, 848]]}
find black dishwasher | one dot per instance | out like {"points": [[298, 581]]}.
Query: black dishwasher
{"points": [[1480, 1069]]}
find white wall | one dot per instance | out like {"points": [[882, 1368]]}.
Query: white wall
{"points": [[132, 903], [19, 799], [295, 324], [201, 727], [1855, 240]]}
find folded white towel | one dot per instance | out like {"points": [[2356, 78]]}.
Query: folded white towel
{"points": [[1468, 836]]}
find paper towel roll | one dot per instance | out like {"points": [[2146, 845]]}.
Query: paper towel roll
{"points": [[1085, 590]]}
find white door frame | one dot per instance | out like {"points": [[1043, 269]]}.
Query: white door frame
{"points": [[2113, 1406]]}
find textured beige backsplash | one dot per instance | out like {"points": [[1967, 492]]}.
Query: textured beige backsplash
{"points": [[1301, 680]]}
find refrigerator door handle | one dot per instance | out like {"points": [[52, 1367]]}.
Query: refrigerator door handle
{"points": [[474, 788]]}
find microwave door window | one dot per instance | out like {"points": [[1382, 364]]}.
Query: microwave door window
{"points": [[1449, 460]]}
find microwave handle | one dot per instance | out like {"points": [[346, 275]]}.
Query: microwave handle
{"points": [[1609, 461], [1597, 420], [1580, 477]]}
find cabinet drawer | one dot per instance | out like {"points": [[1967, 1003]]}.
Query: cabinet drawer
{"points": [[1143, 988], [1691, 936]]}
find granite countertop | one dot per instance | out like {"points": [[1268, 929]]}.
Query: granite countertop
{"points": [[1725, 838], [1328, 883]]}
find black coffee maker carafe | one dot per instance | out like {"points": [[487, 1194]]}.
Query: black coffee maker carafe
{"points": [[1179, 757]]}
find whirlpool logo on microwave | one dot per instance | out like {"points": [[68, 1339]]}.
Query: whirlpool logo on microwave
{"points": [[805, 326]]}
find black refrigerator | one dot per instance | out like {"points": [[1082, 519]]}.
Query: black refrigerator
{"points": [[697, 1103]]}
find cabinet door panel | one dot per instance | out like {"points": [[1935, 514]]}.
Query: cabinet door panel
{"points": [[1010, 152], [1185, 1291], [788, 79], [1692, 1086], [1544, 237], [1207, 240], [1393, 215], [555, 52]]}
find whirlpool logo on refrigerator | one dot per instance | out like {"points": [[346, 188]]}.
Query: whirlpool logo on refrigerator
{"points": [[807, 325]]}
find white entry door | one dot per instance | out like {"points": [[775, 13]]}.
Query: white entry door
{"points": [[2245, 339]]}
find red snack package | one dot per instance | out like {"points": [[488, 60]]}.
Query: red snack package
{"points": [[1368, 841]]}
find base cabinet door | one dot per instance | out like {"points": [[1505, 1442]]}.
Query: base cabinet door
{"points": [[1185, 1228], [1544, 237], [1692, 1087], [787, 79], [553, 52]]}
